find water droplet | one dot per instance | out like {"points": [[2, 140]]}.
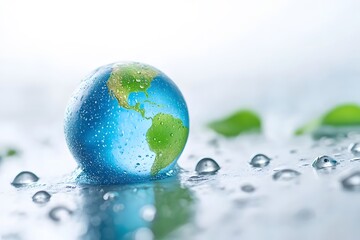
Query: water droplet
{"points": [[41, 197], [143, 234], [24, 178], [304, 214], [60, 214], [324, 162], [110, 195], [118, 207], [148, 213], [248, 188], [355, 149], [352, 182], [260, 160], [170, 173], [207, 166], [214, 143], [95, 221], [286, 175]]}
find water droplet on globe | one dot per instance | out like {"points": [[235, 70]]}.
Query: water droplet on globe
{"points": [[286, 175], [207, 166], [170, 173], [352, 182], [118, 207], [248, 188], [148, 213], [24, 178], [355, 149], [324, 162], [60, 214], [110, 195], [143, 234], [260, 160], [41, 197]]}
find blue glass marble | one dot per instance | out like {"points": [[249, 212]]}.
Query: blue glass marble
{"points": [[127, 122]]}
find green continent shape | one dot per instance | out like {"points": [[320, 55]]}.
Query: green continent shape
{"points": [[130, 78], [166, 137]]}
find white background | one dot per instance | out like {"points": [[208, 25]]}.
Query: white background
{"points": [[285, 59]]}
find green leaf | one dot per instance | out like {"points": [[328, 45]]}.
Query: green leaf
{"points": [[9, 152], [343, 116], [239, 122], [12, 152]]}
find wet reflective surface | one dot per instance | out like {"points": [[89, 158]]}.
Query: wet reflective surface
{"points": [[239, 201]]}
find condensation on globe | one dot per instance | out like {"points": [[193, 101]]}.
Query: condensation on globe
{"points": [[126, 122]]}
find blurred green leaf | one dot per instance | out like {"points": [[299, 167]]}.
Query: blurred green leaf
{"points": [[309, 127], [11, 152], [8, 152], [239, 122], [343, 116]]}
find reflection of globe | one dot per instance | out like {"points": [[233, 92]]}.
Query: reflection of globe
{"points": [[127, 122]]}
